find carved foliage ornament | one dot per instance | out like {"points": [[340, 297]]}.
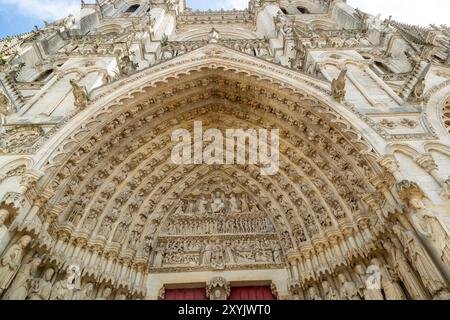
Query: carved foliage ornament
{"points": [[19, 139], [408, 190]]}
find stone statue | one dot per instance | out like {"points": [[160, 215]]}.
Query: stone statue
{"points": [[217, 257], [244, 203], [121, 296], [429, 226], [22, 283], [330, 292], [106, 294], [338, 86], [229, 255], [90, 222], [121, 232], [419, 90], [158, 257], [348, 289], [202, 205], [86, 293], [60, 290], [234, 204], [217, 205], [405, 273], [41, 288], [365, 291], [4, 105], [422, 262], [389, 283], [127, 66], [313, 295], [11, 261], [208, 254], [277, 253], [80, 94], [213, 36]]}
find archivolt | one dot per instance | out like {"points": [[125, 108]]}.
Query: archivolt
{"points": [[115, 167]]}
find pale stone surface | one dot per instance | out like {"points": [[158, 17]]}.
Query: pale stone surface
{"points": [[360, 208]]}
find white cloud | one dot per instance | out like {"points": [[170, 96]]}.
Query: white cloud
{"points": [[408, 11], [44, 9], [237, 4]]}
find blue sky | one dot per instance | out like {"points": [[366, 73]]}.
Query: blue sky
{"points": [[18, 16]]}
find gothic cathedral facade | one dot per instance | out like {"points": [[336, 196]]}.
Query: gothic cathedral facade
{"points": [[92, 207]]}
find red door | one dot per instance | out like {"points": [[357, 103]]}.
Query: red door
{"points": [[185, 294], [256, 293], [251, 293]]}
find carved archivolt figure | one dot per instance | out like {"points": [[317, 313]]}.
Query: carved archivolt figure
{"points": [[21, 286], [11, 262]]}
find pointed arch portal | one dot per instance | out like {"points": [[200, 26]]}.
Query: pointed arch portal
{"points": [[116, 205]]}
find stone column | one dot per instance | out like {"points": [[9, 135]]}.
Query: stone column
{"points": [[427, 163], [391, 164]]}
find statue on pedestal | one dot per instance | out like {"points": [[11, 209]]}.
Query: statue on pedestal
{"points": [[429, 274], [21, 285], [41, 288], [348, 289], [11, 261]]}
